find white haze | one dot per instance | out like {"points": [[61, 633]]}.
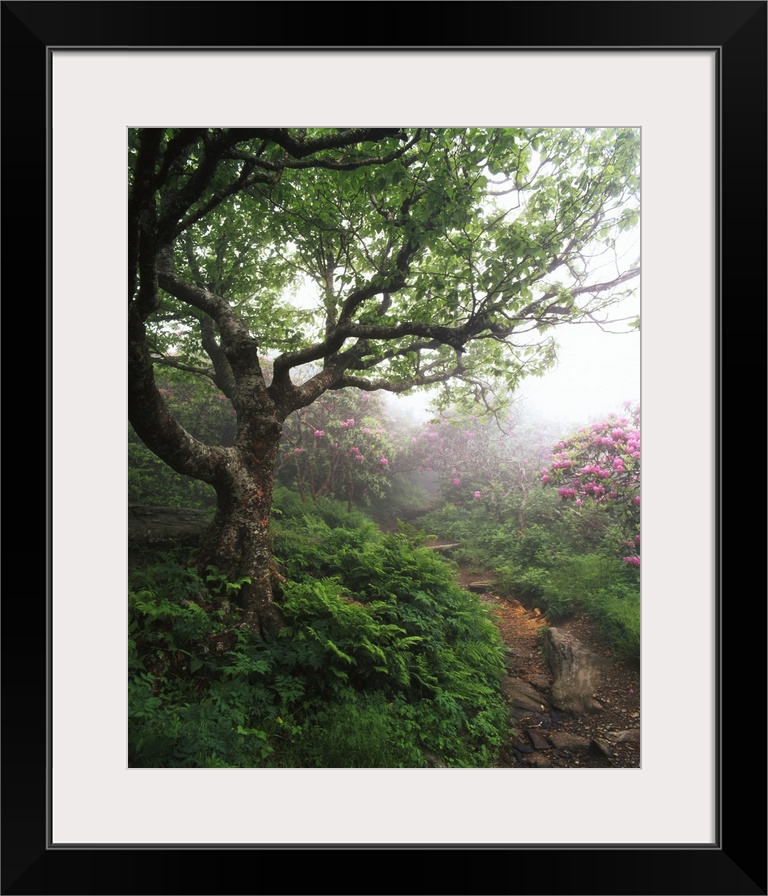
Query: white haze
{"points": [[597, 372]]}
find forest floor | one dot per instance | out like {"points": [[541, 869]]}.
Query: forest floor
{"points": [[605, 739]]}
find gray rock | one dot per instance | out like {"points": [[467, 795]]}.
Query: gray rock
{"points": [[537, 760], [537, 739], [630, 736], [575, 670], [541, 682], [522, 695], [564, 740], [602, 746]]}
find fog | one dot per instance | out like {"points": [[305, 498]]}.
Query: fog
{"points": [[597, 372]]}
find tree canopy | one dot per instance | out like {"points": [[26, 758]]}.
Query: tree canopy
{"points": [[385, 256], [280, 263]]}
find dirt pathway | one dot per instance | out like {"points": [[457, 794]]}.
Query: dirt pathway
{"points": [[545, 736]]}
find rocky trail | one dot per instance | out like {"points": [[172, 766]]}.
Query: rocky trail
{"points": [[574, 703]]}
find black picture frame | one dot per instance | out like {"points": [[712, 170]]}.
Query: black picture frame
{"points": [[736, 863]]}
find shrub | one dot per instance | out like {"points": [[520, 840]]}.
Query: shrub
{"points": [[382, 660]]}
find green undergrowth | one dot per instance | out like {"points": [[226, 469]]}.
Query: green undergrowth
{"points": [[383, 660]]}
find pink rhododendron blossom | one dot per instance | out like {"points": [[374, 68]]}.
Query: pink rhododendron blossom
{"points": [[634, 560], [600, 464], [457, 481], [319, 433], [383, 461], [476, 495]]}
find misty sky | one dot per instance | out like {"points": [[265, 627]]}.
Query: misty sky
{"points": [[596, 373]]}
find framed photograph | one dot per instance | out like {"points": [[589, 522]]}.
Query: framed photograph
{"points": [[692, 77]]}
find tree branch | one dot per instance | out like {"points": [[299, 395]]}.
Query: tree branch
{"points": [[153, 421]]}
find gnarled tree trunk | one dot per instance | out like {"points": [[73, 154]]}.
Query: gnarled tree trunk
{"points": [[237, 542]]}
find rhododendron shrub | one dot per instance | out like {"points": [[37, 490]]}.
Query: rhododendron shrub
{"points": [[599, 467], [339, 447], [480, 462]]}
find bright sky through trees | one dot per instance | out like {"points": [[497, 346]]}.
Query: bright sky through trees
{"points": [[597, 371]]}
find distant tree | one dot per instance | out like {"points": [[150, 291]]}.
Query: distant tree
{"points": [[375, 258]]}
